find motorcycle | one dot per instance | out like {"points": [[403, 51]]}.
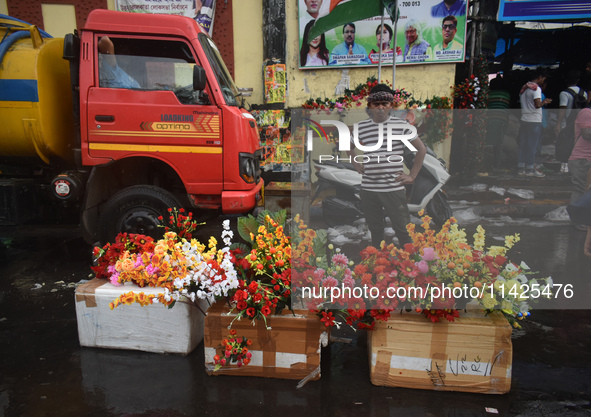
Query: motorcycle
{"points": [[345, 206]]}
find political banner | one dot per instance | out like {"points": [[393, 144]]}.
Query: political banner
{"points": [[202, 11], [428, 32]]}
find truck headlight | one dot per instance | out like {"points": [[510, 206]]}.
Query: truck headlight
{"points": [[249, 168]]}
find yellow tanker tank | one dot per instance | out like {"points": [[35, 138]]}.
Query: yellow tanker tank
{"points": [[35, 96]]}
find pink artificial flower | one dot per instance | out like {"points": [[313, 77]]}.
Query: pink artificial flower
{"points": [[429, 254], [349, 282], [340, 259], [330, 282], [423, 267], [318, 274]]}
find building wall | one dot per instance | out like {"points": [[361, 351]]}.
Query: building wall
{"points": [[59, 17], [423, 81], [31, 10], [248, 47]]}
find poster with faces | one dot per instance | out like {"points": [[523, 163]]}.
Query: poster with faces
{"points": [[427, 32]]}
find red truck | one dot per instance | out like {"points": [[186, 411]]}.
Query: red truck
{"points": [[138, 115]]}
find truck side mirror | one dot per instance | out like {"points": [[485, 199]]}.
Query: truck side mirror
{"points": [[199, 78], [71, 47]]}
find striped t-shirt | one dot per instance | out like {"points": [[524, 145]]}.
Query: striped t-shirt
{"points": [[381, 167]]}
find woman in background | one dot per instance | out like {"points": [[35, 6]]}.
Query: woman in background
{"points": [[383, 37], [314, 52]]}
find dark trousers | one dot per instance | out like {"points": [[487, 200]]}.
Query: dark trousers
{"points": [[392, 204], [529, 135]]}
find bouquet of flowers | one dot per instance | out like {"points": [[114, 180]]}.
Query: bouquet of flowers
{"points": [[470, 93], [179, 223], [263, 267], [328, 284], [436, 275], [108, 255], [180, 267], [356, 98], [234, 349], [441, 273]]}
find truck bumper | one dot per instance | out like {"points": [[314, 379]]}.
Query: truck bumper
{"points": [[241, 201]]}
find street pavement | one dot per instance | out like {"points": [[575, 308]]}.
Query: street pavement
{"points": [[45, 372]]}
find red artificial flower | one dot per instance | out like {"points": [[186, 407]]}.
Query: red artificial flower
{"points": [[327, 318], [253, 286]]}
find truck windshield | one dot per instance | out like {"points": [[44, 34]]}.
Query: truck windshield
{"points": [[229, 89]]}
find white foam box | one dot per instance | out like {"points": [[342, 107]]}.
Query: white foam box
{"points": [[153, 328]]}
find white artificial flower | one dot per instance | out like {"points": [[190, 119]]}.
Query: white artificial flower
{"points": [[523, 265], [510, 267], [550, 281]]}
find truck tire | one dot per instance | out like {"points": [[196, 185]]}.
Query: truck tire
{"points": [[135, 210]]}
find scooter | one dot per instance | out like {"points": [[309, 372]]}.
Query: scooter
{"points": [[345, 206]]}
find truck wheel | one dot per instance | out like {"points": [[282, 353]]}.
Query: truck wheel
{"points": [[135, 210]]}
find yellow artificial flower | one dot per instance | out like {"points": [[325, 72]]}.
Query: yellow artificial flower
{"points": [[488, 302], [479, 238]]}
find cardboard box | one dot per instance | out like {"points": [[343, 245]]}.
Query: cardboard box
{"points": [[472, 354], [154, 328], [290, 350]]}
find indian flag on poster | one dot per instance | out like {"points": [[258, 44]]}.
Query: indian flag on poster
{"points": [[335, 13]]}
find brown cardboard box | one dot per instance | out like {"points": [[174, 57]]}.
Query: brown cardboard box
{"points": [[472, 354], [290, 350]]}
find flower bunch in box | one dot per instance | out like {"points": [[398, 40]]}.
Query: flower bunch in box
{"points": [[264, 284], [234, 349], [106, 257], [441, 273], [180, 267], [179, 223], [326, 282]]}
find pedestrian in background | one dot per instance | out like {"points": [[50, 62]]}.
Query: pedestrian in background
{"points": [[530, 129], [579, 162], [573, 97], [499, 101], [383, 181]]}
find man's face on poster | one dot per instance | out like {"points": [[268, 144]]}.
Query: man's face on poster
{"points": [[410, 34], [448, 31], [349, 35], [313, 6]]}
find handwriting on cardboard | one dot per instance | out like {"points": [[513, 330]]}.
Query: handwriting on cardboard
{"points": [[461, 365]]}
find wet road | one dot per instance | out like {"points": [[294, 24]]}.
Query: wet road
{"points": [[45, 372]]}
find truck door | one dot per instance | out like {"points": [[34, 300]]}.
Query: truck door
{"points": [[143, 105]]}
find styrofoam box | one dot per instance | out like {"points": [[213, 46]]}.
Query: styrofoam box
{"points": [[154, 328]]}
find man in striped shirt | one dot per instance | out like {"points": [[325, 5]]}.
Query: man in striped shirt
{"points": [[383, 181]]}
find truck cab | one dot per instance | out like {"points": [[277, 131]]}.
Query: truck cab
{"points": [[161, 124]]}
